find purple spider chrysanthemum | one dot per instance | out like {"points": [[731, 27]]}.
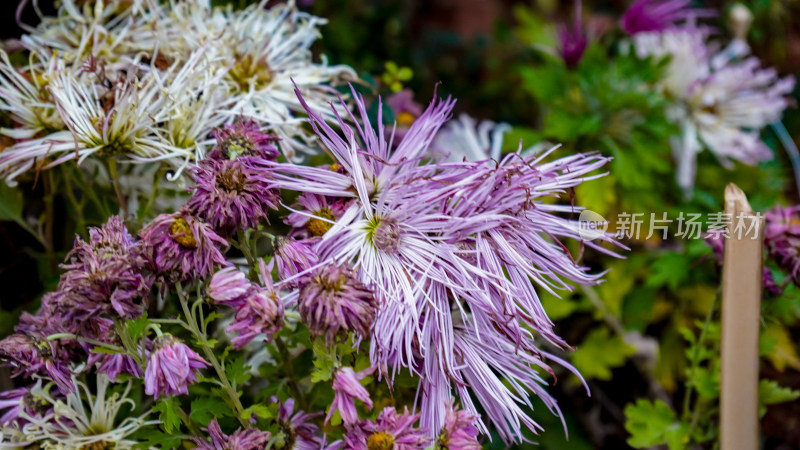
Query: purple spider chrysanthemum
{"points": [[229, 286], [181, 247], [11, 403], [318, 216], [452, 249], [297, 431], [260, 313], [459, 431], [332, 301], [243, 139], [657, 15], [293, 257], [389, 431], [348, 389], [28, 356], [171, 367], [231, 195], [241, 439]]}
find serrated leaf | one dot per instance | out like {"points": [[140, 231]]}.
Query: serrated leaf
{"points": [[168, 414], [782, 352], [770, 393], [599, 353], [212, 316], [652, 424], [156, 439], [261, 411], [206, 409], [237, 372], [136, 327]]}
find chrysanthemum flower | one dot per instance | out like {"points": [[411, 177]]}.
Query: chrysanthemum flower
{"points": [[348, 389], [181, 247], [229, 286], [315, 214], [658, 15], [230, 195], [444, 255], [459, 431], [332, 301], [389, 431], [297, 431], [572, 39], [244, 138], [11, 402], [171, 367], [28, 356], [293, 257], [464, 139], [241, 439], [261, 313], [721, 101], [85, 419]]}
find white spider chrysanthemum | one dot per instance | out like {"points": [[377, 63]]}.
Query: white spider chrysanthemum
{"points": [[466, 139], [147, 81], [721, 100], [84, 419]]}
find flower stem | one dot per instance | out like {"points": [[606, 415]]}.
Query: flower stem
{"points": [[112, 172], [212, 358], [53, 337]]}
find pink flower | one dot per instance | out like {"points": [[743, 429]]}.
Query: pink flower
{"points": [[171, 368], [348, 390], [229, 286], [241, 439]]}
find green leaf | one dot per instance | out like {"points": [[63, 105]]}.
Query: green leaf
{"points": [[599, 353], [156, 439], [325, 361], [261, 411], [207, 408], [770, 393], [169, 416], [10, 203], [237, 372], [136, 327], [668, 270], [212, 316], [652, 424]]}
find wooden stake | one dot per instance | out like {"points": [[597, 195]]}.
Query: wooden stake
{"points": [[741, 313]]}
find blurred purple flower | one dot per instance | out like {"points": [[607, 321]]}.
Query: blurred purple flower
{"points": [[317, 215], [348, 389], [181, 247], [229, 286], [260, 313], [390, 430], [333, 301], [717, 243], [12, 401], [405, 110], [573, 40], [241, 439], [171, 367], [657, 15]]}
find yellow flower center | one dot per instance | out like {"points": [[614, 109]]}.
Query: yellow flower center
{"points": [[182, 233], [335, 167], [232, 180], [250, 71], [317, 226], [405, 119], [380, 441]]}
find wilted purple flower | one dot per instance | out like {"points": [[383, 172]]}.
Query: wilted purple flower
{"points": [[782, 239], [171, 367], [229, 286], [260, 313], [389, 431], [28, 356], [104, 277], [244, 139], [293, 257], [297, 431], [182, 247], [347, 387], [459, 431], [241, 439], [657, 15], [332, 301], [230, 195], [573, 39]]}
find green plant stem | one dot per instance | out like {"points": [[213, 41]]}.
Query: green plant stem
{"points": [[112, 172], [286, 362], [212, 358], [116, 348], [687, 396]]}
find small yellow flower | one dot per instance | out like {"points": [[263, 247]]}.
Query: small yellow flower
{"points": [[395, 76]]}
